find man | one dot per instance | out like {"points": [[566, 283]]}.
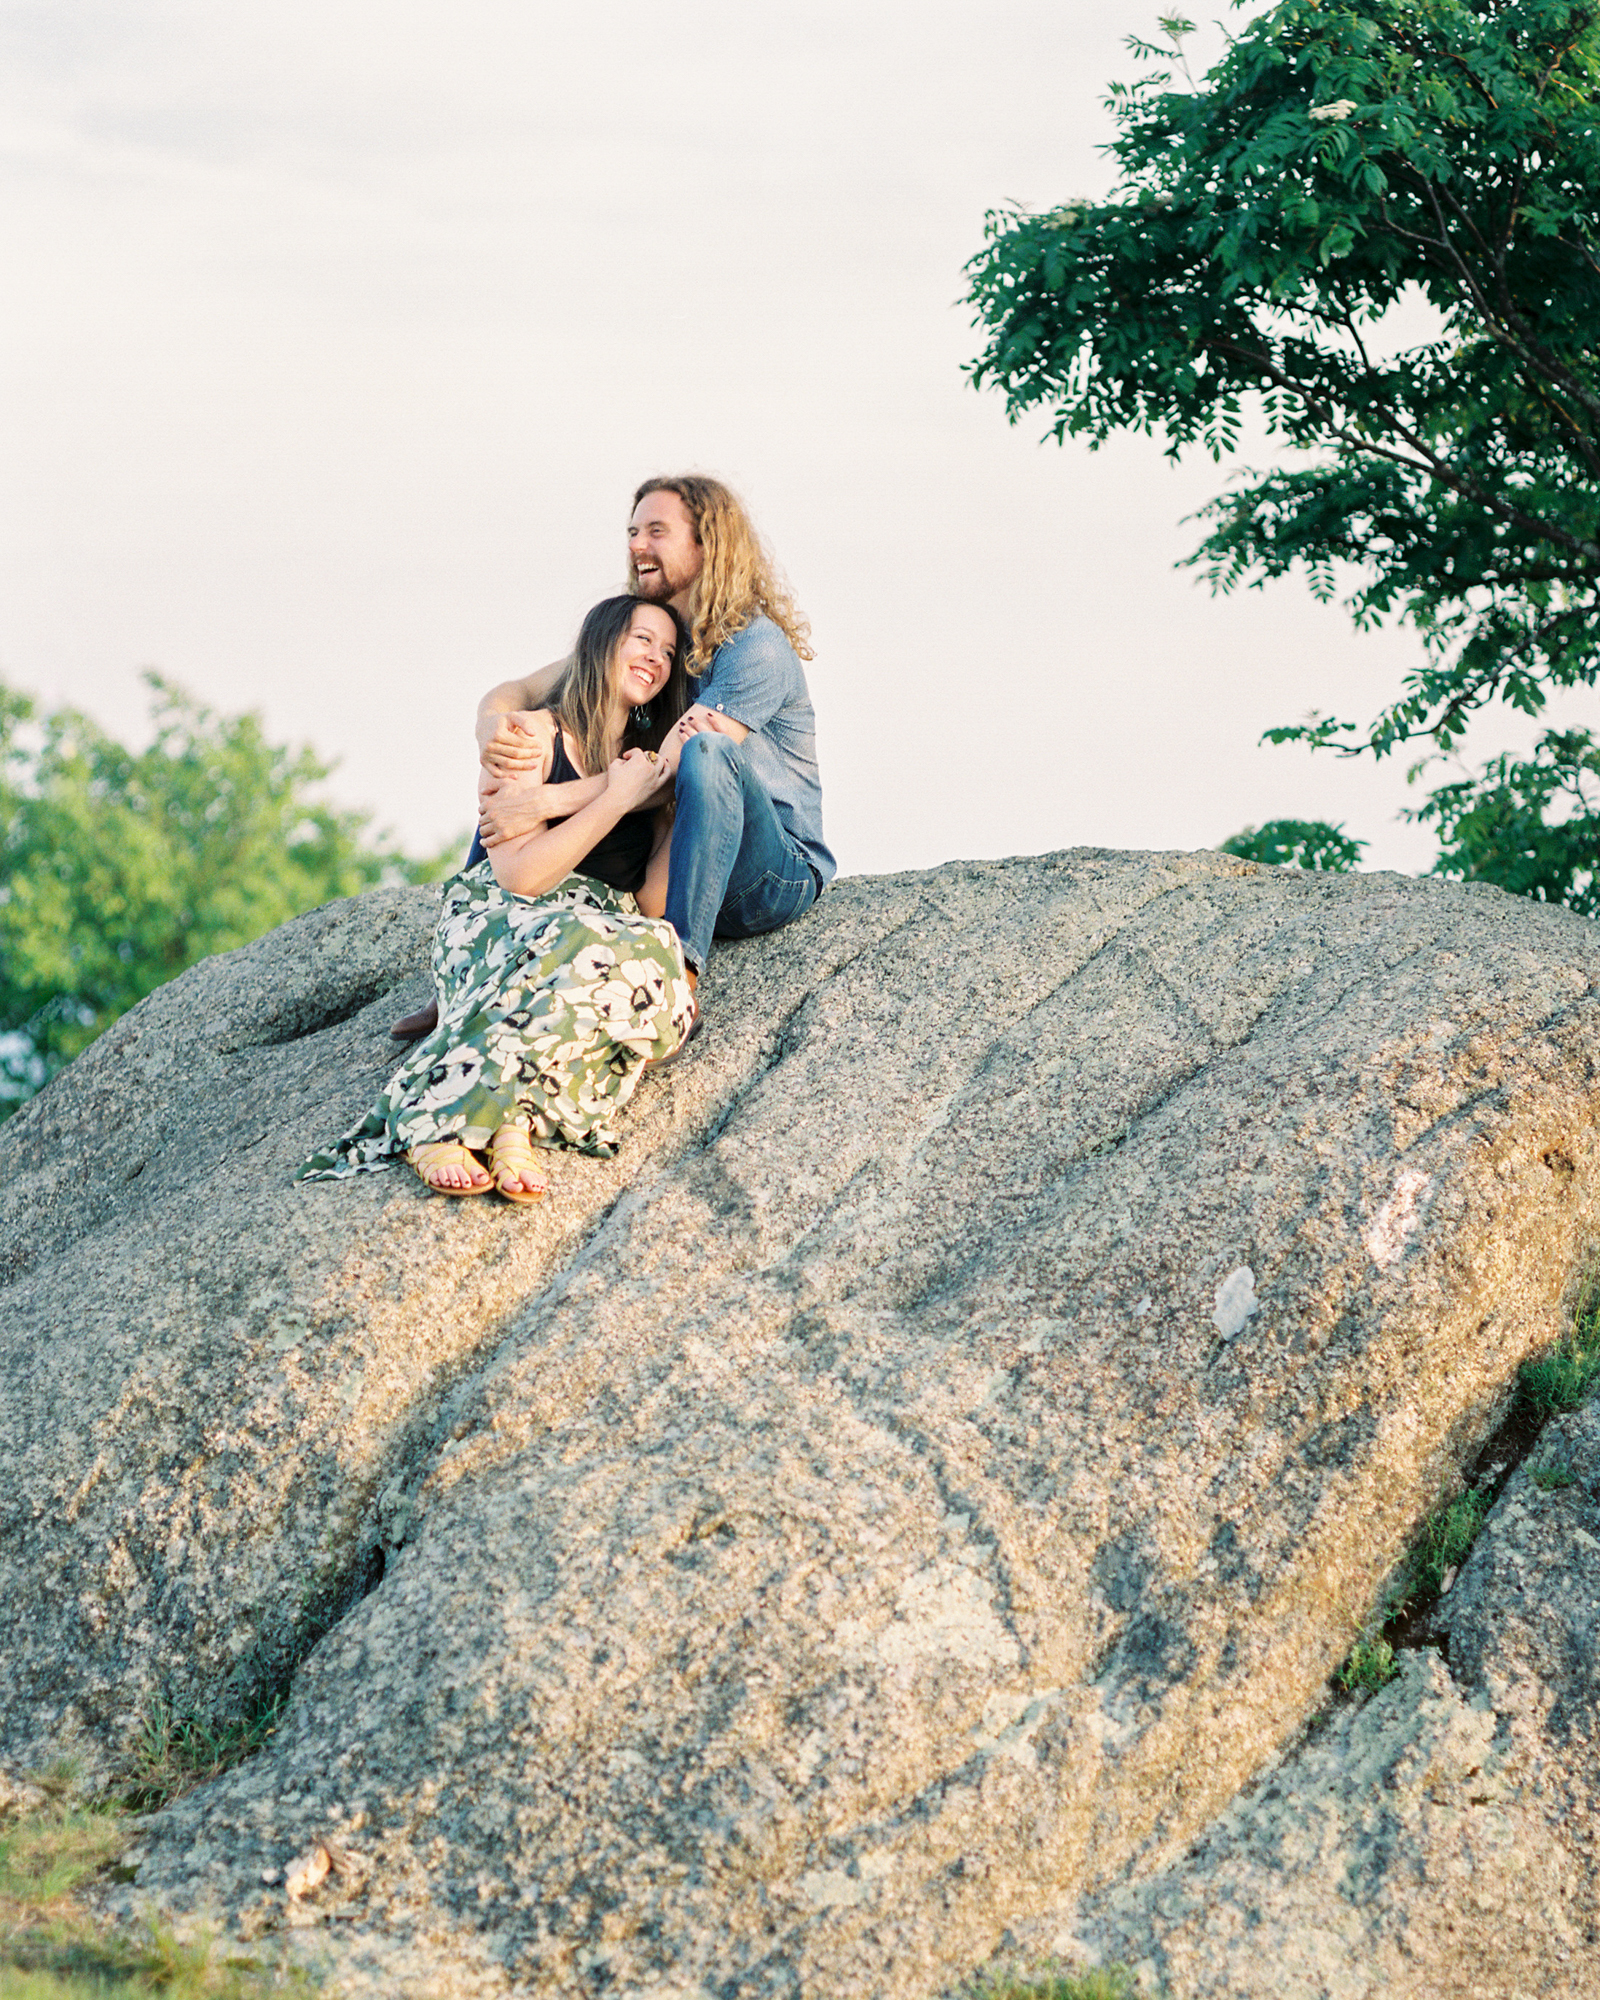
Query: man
{"points": [[748, 853]]}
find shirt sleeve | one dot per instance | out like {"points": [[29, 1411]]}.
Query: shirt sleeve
{"points": [[753, 676]]}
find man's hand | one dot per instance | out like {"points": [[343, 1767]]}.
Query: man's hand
{"points": [[508, 745], [510, 807]]}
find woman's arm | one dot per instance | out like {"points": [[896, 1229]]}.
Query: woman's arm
{"points": [[534, 863], [652, 895], [511, 806]]}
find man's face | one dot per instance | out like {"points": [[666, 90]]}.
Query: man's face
{"points": [[663, 556]]}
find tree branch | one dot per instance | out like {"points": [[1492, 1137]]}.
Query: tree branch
{"points": [[1423, 460], [1474, 696]]}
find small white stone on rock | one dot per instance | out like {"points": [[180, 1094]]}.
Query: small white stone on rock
{"points": [[1236, 1301], [947, 1612], [1397, 1219], [833, 1889]]}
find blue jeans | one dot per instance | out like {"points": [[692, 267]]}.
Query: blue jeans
{"points": [[735, 871]]}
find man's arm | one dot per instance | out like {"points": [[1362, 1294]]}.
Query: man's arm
{"points": [[754, 675], [510, 808], [512, 748], [700, 717]]}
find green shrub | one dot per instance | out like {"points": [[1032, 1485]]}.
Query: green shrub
{"points": [[1563, 1378], [1371, 1665], [1448, 1538], [119, 867], [1311, 844]]}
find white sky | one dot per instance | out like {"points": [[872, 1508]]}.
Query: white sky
{"points": [[337, 336]]}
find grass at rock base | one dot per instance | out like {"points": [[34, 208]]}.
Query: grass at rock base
{"points": [[175, 1752], [52, 1947], [1108, 1982]]}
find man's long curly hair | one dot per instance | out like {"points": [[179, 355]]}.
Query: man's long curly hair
{"points": [[740, 581]]}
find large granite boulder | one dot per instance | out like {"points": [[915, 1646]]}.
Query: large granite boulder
{"points": [[1438, 1839], [880, 1519]]}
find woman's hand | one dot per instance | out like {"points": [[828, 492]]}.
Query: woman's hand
{"points": [[509, 808], [635, 778], [692, 722], [686, 726]]}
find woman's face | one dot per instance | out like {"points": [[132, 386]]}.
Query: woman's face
{"points": [[644, 656]]}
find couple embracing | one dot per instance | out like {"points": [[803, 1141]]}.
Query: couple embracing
{"points": [[655, 790]]}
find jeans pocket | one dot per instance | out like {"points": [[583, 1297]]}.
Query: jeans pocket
{"points": [[770, 900]]}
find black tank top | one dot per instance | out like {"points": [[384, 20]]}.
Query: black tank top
{"points": [[621, 858]]}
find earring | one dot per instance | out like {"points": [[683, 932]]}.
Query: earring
{"points": [[641, 717]]}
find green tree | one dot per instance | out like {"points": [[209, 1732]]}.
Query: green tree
{"points": [[118, 868], [1263, 221], [1301, 843], [1531, 824]]}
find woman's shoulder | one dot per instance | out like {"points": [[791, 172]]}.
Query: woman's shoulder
{"points": [[545, 729]]}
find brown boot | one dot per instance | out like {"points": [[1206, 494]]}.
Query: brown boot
{"points": [[423, 1022]]}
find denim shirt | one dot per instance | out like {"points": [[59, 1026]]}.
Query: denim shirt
{"points": [[756, 678]]}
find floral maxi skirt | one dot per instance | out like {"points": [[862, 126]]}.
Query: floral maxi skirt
{"points": [[549, 1008]]}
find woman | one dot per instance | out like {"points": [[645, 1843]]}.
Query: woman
{"points": [[557, 980]]}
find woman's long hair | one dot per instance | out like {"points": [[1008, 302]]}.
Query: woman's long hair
{"points": [[582, 698], [740, 581]]}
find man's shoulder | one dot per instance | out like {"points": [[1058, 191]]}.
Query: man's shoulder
{"points": [[761, 651], [762, 639]]}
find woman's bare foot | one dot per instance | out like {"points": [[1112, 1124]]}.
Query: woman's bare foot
{"points": [[446, 1167], [517, 1174]]}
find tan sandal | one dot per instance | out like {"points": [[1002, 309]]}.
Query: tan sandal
{"points": [[435, 1156], [511, 1159]]}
